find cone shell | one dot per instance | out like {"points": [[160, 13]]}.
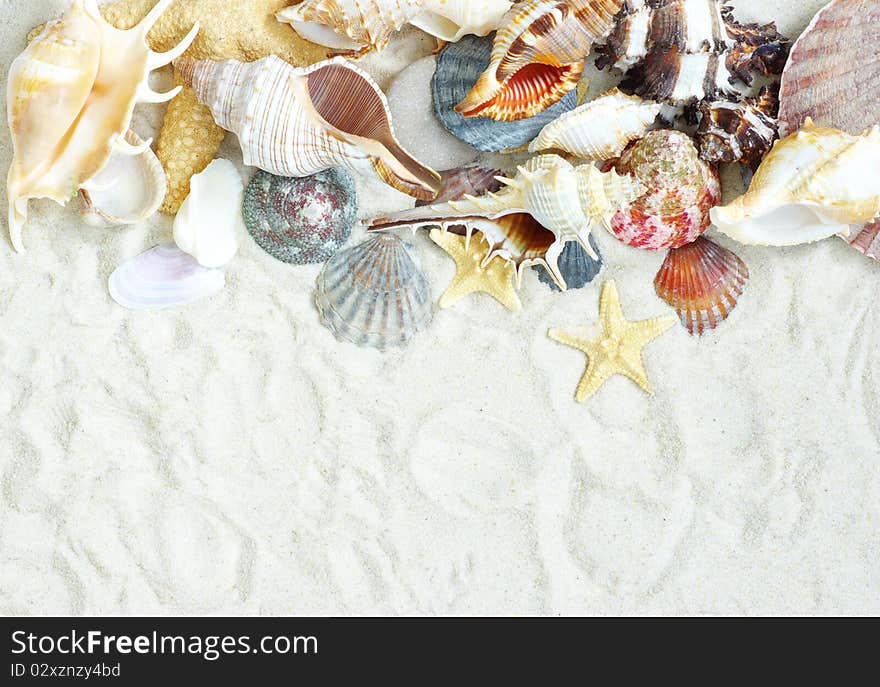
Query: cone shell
{"points": [[374, 294], [832, 73], [739, 131], [298, 122], [680, 189], [866, 240], [812, 185], [601, 129], [71, 96], [458, 67], [537, 56]]}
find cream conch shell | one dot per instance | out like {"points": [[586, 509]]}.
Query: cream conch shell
{"points": [[601, 129], [549, 203], [297, 122], [71, 96], [812, 185]]}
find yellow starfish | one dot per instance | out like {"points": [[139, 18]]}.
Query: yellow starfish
{"points": [[619, 349], [471, 275], [245, 30]]}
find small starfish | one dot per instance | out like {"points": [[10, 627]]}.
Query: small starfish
{"points": [[619, 349], [473, 274]]}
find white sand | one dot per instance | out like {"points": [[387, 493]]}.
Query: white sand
{"points": [[233, 457]]}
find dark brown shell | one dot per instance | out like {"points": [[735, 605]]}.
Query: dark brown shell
{"points": [[739, 131]]}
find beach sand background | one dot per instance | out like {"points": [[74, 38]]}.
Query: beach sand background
{"points": [[231, 457]]}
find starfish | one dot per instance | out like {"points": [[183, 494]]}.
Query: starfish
{"points": [[473, 274], [619, 349], [245, 30]]}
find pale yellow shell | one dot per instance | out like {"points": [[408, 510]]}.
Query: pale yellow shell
{"points": [[812, 185]]}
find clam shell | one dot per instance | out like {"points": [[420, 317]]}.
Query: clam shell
{"points": [[457, 183], [575, 265], [163, 277], [458, 67], [739, 131], [680, 189], [373, 294], [866, 240], [301, 221], [832, 74], [702, 282]]}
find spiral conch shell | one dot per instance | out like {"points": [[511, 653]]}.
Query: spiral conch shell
{"points": [[71, 97], [812, 185], [549, 203], [297, 122]]}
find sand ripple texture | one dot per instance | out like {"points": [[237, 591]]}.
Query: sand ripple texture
{"points": [[232, 457]]}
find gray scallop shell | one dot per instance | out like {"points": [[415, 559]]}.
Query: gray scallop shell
{"points": [[458, 68], [373, 294], [576, 266]]}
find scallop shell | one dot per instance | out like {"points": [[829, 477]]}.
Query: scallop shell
{"points": [[457, 183], [812, 185], [549, 203], [832, 75], [209, 223], [601, 129], [702, 282], [128, 190], [739, 131], [301, 221], [163, 277], [297, 122], [866, 240], [70, 101], [537, 56], [575, 265], [373, 294], [458, 67], [680, 189]]}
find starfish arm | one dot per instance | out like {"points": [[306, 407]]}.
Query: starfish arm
{"points": [[507, 297], [584, 345], [635, 370], [610, 312], [640, 334], [598, 371], [458, 289]]}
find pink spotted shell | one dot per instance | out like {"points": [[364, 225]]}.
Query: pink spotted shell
{"points": [[681, 189]]}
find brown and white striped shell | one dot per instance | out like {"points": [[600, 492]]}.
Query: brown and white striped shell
{"points": [[739, 131]]}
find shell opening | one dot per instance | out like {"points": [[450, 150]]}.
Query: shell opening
{"points": [[787, 225]]}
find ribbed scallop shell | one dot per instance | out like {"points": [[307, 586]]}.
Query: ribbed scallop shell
{"points": [[739, 131], [601, 129], [702, 282], [866, 239], [575, 265], [297, 122], [537, 56], [458, 67], [812, 185], [301, 220], [373, 294], [833, 74]]}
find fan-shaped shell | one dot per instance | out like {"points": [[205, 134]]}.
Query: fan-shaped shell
{"points": [[297, 122], [680, 189], [812, 185], [301, 221], [458, 67], [601, 129], [575, 265], [373, 294], [866, 239], [702, 282], [163, 277]]}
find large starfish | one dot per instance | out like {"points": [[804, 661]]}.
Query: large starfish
{"points": [[245, 30], [619, 348]]}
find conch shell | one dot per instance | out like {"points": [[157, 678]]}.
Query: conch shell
{"points": [[549, 203], [538, 56], [812, 185], [71, 96], [297, 122], [741, 131]]}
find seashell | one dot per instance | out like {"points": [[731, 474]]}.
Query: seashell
{"points": [[373, 294], [457, 183], [812, 185], [537, 56], [739, 131], [866, 240], [452, 20], [70, 101], [601, 129], [209, 223], [831, 75], [297, 122], [575, 265], [680, 189], [301, 221], [128, 190], [681, 79], [702, 282], [163, 277], [458, 67], [549, 203]]}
